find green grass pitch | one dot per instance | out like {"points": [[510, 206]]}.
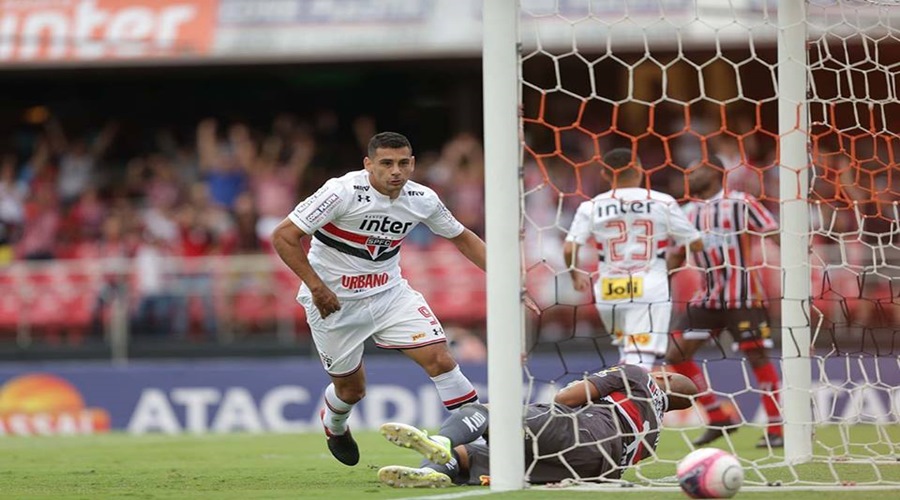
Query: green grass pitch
{"points": [[249, 466]]}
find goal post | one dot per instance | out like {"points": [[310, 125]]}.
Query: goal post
{"points": [[505, 322], [793, 179]]}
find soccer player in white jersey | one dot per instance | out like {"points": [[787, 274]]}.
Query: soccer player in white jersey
{"points": [[352, 288], [731, 296], [631, 226]]}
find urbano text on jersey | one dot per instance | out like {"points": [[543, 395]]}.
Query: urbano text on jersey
{"points": [[364, 281]]}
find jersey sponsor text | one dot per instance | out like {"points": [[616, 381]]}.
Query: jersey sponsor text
{"points": [[385, 224], [623, 207], [323, 207], [364, 281]]}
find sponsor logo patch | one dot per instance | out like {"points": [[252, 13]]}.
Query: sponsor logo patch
{"points": [[640, 339], [622, 288], [377, 246], [323, 208], [363, 281], [418, 336]]}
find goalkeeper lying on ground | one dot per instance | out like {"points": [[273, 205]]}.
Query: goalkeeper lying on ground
{"points": [[594, 429]]}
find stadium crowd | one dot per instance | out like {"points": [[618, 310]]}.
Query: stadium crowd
{"points": [[220, 192], [221, 187]]}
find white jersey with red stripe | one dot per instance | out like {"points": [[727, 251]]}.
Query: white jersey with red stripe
{"points": [[631, 228], [357, 231], [728, 221]]}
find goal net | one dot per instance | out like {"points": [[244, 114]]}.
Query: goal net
{"points": [[680, 81]]}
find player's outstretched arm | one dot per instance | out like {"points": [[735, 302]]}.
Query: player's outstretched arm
{"points": [[287, 240], [580, 279], [577, 394], [677, 257], [470, 245]]}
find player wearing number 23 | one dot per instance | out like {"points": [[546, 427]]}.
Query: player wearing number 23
{"points": [[631, 226]]}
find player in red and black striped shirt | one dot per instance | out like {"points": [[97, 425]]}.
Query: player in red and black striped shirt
{"points": [[731, 296]]}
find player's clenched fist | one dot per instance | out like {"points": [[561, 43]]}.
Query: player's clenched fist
{"points": [[325, 301]]}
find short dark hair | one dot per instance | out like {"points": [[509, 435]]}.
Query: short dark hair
{"points": [[621, 161], [387, 140]]}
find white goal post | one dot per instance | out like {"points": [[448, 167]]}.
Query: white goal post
{"points": [[505, 323], [768, 56], [793, 127]]}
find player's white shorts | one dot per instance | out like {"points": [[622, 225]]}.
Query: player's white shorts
{"points": [[637, 327], [397, 318]]}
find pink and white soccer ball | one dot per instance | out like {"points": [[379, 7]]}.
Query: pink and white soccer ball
{"points": [[710, 473]]}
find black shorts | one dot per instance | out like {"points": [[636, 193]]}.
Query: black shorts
{"points": [[748, 326]]}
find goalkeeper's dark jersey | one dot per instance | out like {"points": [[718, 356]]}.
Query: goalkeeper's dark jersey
{"points": [[624, 424]]}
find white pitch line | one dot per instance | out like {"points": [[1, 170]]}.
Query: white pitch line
{"points": [[667, 489], [461, 494]]}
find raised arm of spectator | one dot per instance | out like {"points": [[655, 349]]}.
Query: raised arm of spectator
{"points": [[104, 139], [56, 136], [207, 144], [303, 148], [244, 146]]}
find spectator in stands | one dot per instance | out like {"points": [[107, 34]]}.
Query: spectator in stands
{"points": [[117, 242], [41, 225], [246, 239], [161, 194], [274, 182], [155, 304], [77, 158], [224, 164], [84, 221], [463, 157], [197, 240], [12, 208]]}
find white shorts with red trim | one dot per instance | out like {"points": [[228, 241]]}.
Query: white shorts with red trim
{"points": [[637, 327], [397, 318]]}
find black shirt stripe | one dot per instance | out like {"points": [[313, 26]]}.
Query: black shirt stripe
{"points": [[356, 252]]}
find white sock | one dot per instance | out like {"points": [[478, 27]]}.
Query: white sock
{"points": [[454, 389], [336, 412]]}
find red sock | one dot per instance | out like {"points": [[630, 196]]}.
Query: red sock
{"points": [[710, 402], [767, 381]]}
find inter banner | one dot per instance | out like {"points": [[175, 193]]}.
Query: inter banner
{"points": [[86, 30], [78, 32]]}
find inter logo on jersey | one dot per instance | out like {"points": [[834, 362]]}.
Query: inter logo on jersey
{"points": [[384, 224]]}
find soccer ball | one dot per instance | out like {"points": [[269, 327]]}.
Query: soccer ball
{"points": [[710, 473]]}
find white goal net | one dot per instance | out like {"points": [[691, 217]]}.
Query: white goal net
{"points": [[680, 81]]}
